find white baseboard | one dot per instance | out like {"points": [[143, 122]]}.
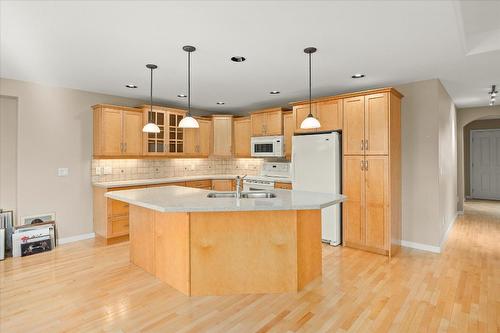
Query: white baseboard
{"points": [[420, 246], [460, 212], [75, 238], [445, 236]]}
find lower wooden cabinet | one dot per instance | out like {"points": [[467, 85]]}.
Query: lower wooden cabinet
{"points": [[284, 186], [223, 185], [366, 212]]}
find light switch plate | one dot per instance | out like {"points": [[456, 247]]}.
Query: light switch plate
{"points": [[108, 170], [62, 172], [98, 171]]}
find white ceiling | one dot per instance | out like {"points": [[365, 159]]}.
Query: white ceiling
{"points": [[102, 45]]}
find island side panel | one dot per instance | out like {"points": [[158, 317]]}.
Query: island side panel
{"points": [[309, 248], [243, 252], [142, 237], [172, 250]]}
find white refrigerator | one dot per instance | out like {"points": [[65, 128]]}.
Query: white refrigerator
{"points": [[316, 165]]}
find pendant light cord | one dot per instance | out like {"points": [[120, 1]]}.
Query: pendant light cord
{"points": [[310, 89], [151, 99], [189, 84]]}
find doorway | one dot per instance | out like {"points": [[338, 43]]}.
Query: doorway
{"points": [[8, 153], [485, 164]]}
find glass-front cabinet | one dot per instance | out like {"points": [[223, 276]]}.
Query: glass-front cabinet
{"points": [[170, 139]]}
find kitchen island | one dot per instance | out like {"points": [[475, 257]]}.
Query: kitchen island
{"points": [[204, 245]]}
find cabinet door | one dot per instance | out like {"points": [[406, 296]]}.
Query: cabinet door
{"points": [[377, 124], [132, 133], [329, 114], [300, 113], [258, 124], [111, 136], [288, 133], [353, 207], [353, 134], [274, 123], [156, 143], [222, 134], [190, 142], [242, 137], [222, 185], [376, 201], [204, 137]]}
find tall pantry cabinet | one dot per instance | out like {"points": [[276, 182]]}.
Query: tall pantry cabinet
{"points": [[372, 170]]}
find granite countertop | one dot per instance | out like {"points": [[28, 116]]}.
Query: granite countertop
{"points": [[185, 199], [150, 181]]}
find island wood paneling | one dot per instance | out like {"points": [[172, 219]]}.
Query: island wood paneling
{"points": [[309, 264], [243, 252], [142, 238], [172, 249]]}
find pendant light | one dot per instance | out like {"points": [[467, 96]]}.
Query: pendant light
{"points": [[188, 121], [310, 121], [151, 126]]}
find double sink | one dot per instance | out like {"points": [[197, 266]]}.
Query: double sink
{"points": [[243, 195]]}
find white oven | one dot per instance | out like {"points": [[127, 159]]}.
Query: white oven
{"points": [[267, 146], [257, 185]]}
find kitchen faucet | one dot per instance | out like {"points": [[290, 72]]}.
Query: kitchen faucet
{"points": [[238, 186]]}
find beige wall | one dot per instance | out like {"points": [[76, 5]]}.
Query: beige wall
{"points": [[55, 130], [464, 117], [476, 124], [447, 160], [428, 176], [8, 153]]}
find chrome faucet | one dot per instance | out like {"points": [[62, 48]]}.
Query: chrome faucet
{"points": [[238, 186]]}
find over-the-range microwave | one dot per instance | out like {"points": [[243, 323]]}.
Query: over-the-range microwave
{"points": [[267, 146]]}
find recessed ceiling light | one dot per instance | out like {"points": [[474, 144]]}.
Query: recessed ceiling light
{"points": [[358, 76], [131, 86], [274, 92], [182, 96], [238, 59], [221, 103]]}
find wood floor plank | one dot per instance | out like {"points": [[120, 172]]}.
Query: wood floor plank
{"points": [[89, 286]]}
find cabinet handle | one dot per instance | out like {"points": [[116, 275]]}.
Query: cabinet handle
{"points": [[362, 164], [121, 147], [366, 165], [362, 144], [125, 147], [366, 144]]}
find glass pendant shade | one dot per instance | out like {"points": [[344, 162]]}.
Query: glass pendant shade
{"points": [[188, 122], [151, 128], [310, 122]]}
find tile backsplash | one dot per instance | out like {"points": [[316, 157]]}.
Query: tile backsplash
{"points": [[128, 169]]}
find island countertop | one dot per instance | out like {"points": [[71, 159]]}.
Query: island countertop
{"points": [[185, 199]]}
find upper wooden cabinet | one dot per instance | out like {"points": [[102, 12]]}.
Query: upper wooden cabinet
{"points": [[267, 122], [366, 125], [222, 134], [197, 140], [288, 128], [242, 134], [329, 114], [170, 140], [117, 131]]}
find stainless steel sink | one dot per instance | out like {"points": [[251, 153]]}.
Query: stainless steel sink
{"points": [[221, 195], [244, 195], [258, 195]]}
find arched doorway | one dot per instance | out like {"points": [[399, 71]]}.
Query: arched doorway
{"points": [[465, 117]]}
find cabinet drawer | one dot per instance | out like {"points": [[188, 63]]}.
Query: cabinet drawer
{"points": [[119, 227], [285, 186], [199, 183], [117, 208]]}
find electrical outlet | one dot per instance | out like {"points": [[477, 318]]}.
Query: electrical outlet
{"points": [[98, 171], [62, 172]]}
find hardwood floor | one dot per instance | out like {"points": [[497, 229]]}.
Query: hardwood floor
{"points": [[89, 287]]}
